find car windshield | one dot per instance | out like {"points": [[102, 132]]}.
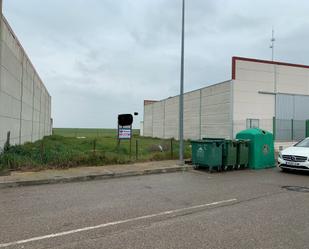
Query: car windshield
{"points": [[304, 143]]}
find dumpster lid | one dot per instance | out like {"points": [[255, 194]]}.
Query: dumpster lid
{"points": [[254, 132], [212, 138], [208, 141]]}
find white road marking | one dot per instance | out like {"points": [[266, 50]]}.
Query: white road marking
{"points": [[54, 235]]}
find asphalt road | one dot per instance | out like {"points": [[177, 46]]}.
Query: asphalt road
{"points": [[241, 209]]}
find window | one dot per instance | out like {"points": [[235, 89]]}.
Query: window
{"points": [[253, 123]]}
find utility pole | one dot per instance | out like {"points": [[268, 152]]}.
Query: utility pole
{"points": [[181, 105]]}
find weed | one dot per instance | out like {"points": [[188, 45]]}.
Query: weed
{"points": [[67, 151]]}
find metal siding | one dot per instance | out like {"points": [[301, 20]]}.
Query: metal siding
{"points": [[291, 113], [284, 106], [292, 107], [301, 107]]}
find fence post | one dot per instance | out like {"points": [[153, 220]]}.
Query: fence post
{"points": [[8, 138], [136, 150], [274, 128], [94, 146], [8, 142], [172, 153], [292, 129], [42, 151], [130, 148]]}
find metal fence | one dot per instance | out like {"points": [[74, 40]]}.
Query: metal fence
{"points": [[283, 129], [290, 130]]}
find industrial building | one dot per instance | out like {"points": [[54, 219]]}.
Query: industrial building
{"points": [[267, 94], [25, 104]]}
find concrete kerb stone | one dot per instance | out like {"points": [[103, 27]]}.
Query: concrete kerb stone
{"points": [[93, 177]]}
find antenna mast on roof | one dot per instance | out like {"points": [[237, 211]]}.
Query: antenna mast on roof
{"points": [[272, 45]]}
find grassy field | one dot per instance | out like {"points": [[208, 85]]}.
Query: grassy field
{"points": [[87, 147], [88, 133]]}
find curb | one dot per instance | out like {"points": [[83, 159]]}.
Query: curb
{"points": [[94, 177]]}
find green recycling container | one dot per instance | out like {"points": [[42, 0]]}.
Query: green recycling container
{"points": [[207, 153], [229, 159], [261, 148], [243, 153]]}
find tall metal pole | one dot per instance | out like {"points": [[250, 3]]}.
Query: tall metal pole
{"points": [[181, 143], [272, 46], [1, 39]]}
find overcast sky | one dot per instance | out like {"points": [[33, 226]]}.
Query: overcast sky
{"points": [[99, 58]]}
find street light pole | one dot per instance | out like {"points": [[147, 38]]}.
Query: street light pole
{"points": [[1, 27], [181, 105]]}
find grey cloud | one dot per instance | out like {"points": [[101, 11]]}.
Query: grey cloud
{"points": [[102, 57]]}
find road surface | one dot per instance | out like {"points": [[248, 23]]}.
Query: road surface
{"points": [[240, 209]]}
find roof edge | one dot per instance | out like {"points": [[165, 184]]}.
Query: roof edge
{"points": [[235, 58]]}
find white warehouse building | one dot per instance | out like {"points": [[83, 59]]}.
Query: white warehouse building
{"points": [[270, 95], [25, 104]]}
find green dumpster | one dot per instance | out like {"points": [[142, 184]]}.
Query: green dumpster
{"points": [[261, 148], [207, 153], [243, 153], [211, 138], [229, 154]]}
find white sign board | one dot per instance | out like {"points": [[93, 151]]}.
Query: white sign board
{"points": [[124, 133]]}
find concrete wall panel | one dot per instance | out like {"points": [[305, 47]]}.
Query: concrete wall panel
{"points": [[24, 101], [216, 111], [158, 119], [207, 112], [192, 115], [148, 131], [253, 80], [172, 117]]}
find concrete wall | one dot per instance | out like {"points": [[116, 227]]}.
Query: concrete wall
{"points": [[25, 104], [141, 130], [224, 109], [148, 131], [171, 129], [255, 84], [251, 79], [207, 112], [216, 111]]}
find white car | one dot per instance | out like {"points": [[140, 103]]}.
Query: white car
{"points": [[295, 157]]}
